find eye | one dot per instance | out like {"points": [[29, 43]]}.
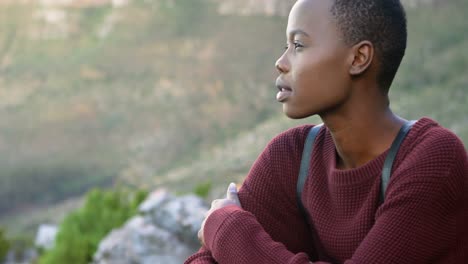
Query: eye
{"points": [[297, 45]]}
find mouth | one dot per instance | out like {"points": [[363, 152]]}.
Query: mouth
{"points": [[284, 92], [282, 88]]}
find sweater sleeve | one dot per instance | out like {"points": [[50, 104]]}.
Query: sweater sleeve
{"points": [[268, 201], [416, 224], [235, 236], [203, 256], [269, 217]]}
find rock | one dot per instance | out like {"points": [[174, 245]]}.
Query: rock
{"points": [[154, 201], [181, 216], [27, 256], [164, 232], [45, 236]]}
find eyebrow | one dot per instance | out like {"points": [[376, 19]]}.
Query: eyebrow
{"points": [[298, 32]]}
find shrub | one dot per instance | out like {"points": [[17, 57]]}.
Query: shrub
{"points": [[203, 189], [81, 231], [4, 245]]}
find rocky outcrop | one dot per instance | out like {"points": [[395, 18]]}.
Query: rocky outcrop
{"points": [[45, 237], [164, 232]]}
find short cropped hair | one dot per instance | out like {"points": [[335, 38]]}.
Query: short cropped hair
{"points": [[382, 22]]}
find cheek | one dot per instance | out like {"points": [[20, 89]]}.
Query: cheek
{"points": [[320, 75]]}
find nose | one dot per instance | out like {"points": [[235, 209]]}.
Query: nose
{"points": [[282, 64]]}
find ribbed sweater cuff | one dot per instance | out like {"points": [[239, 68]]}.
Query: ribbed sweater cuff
{"points": [[200, 258], [214, 223]]}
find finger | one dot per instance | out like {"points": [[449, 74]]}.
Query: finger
{"points": [[213, 204], [200, 237], [200, 233], [232, 193]]}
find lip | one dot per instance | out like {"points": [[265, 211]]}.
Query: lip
{"points": [[284, 93], [282, 86]]}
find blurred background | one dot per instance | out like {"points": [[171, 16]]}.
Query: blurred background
{"points": [[144, 94]]}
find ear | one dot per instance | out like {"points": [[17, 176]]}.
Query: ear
{"points": [[362, 56]]}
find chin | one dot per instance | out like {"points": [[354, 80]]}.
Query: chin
{"points": [[295, 113]]}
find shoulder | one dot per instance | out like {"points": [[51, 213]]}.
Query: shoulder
{"points": [[431, 153], [290, 141], [430, 142], [276, 169]]}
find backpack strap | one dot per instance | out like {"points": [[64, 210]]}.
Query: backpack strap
{"points": [[305, 163], [388, 164], [306, 160], [386, 171]]}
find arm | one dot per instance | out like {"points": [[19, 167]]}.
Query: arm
{"points": [[416, 224], [276, 214], [203, 256]]}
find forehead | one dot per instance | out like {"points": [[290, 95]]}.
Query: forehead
{"points": [[311, 16]]}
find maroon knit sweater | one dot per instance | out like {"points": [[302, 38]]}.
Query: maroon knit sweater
{"points": [[423, 219]]}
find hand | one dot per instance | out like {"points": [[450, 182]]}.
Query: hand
{"points": [[231, 199]]}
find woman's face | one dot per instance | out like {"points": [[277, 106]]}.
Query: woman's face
{"points": [[314, 76]]}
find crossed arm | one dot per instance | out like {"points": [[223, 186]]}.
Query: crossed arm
{"points": [[266, 197]]}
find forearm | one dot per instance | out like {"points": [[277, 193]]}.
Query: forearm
{"points": [[235, 236], [403, 226], [203, 256]]}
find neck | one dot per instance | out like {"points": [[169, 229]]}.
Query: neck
{"points": [[362, 132]]}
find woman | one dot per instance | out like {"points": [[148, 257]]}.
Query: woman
{"points": [[340, 61]]}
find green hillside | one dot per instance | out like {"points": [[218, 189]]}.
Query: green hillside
{"points": [[173, 95]]}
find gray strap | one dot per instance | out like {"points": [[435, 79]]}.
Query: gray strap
{"points": [[305, 162], [387, 168], [306, 159]]}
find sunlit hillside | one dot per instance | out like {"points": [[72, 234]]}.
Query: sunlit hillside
{"points": [[172, 93]]}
